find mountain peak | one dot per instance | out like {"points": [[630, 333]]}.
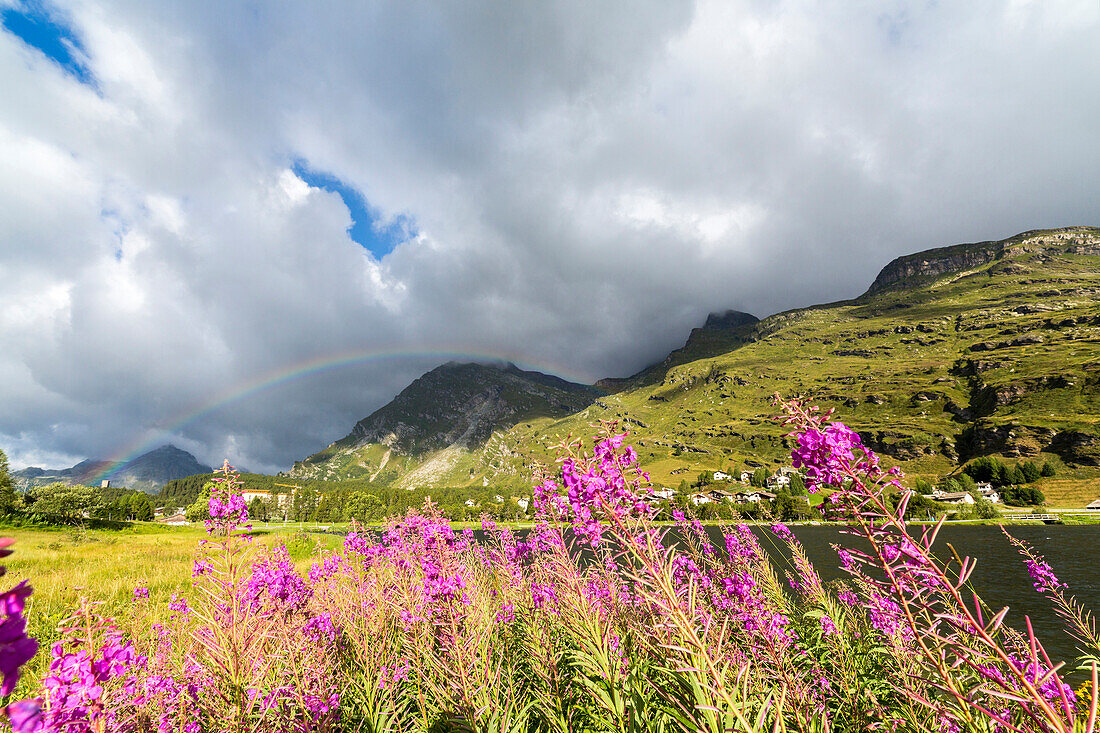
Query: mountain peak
{"points": [[727, 319], [147, 472], [456, 405]]}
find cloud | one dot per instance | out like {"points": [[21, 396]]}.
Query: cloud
{"points": [[247, 189]]}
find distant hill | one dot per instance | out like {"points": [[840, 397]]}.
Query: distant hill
{"points": [[955, 352], [148, 472], [431, 428]]}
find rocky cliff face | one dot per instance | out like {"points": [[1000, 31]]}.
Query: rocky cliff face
{"points": [[961, 257], [726, 321]]}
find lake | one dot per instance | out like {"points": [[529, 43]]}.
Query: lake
{"points": [[1001, 578]]}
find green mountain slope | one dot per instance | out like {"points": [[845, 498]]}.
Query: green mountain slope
{"points": [[956, 352], [975, 349]]}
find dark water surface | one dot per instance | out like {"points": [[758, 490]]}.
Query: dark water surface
{"points": [[1001, 578]]}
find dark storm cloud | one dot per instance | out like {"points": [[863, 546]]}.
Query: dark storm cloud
{"points": [[586, 180]]}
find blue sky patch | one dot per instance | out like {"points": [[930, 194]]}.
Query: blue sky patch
{"points": [[368, 228], [47, 30]]}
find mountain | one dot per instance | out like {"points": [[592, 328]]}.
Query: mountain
{"points": [[974, 349], [148, 472], [720, 333], [432, 428]]}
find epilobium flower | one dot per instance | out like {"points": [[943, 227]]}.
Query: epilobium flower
{"points": [[16, 648], [1043, 575]]}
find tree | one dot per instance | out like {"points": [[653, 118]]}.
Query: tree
{"points": [[984, 509], [1002, 475], [1018, 475], [62, 500], [1031, 472], [798, 485], [921, 505], [199, 511], [966, 483], [1047, 470], [982, 469], [258, 509], [759, 478], [305, 501], [140, 508], [365, 507], [923, 487], [8, 499], [1022, 496]]}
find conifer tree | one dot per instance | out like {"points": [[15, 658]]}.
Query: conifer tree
{"points": [[7, 487]]}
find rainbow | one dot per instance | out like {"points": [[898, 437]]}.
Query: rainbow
{"points": [[151, 438]]}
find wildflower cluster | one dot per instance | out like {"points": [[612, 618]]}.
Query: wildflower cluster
{"points": [[596, 618], [16, 648], [600, 489]]}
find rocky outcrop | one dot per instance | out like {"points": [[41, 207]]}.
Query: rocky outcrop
{"points": [[936, 262], [896, 445], [961, 257], [1018, 441], [1021, 441], [727, 320], [1075, 446]]}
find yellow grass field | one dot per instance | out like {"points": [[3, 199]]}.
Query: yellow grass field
{"points": [[105, 566]]}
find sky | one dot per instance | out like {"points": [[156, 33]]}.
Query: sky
{"points": [[241, 227]]}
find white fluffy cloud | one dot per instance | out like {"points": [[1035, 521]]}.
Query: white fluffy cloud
{"points": [[587, 181]]}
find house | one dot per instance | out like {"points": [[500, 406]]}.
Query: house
{"points": [[176, 520], [1094, 506], [470, 503], [249, 494], [722, 476], [751, 497], [953, 497], [788, 471], [105, 483], [715, 496], [746, 476], [665, 494], [523, 503], [987, 491], [778, 481]]}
